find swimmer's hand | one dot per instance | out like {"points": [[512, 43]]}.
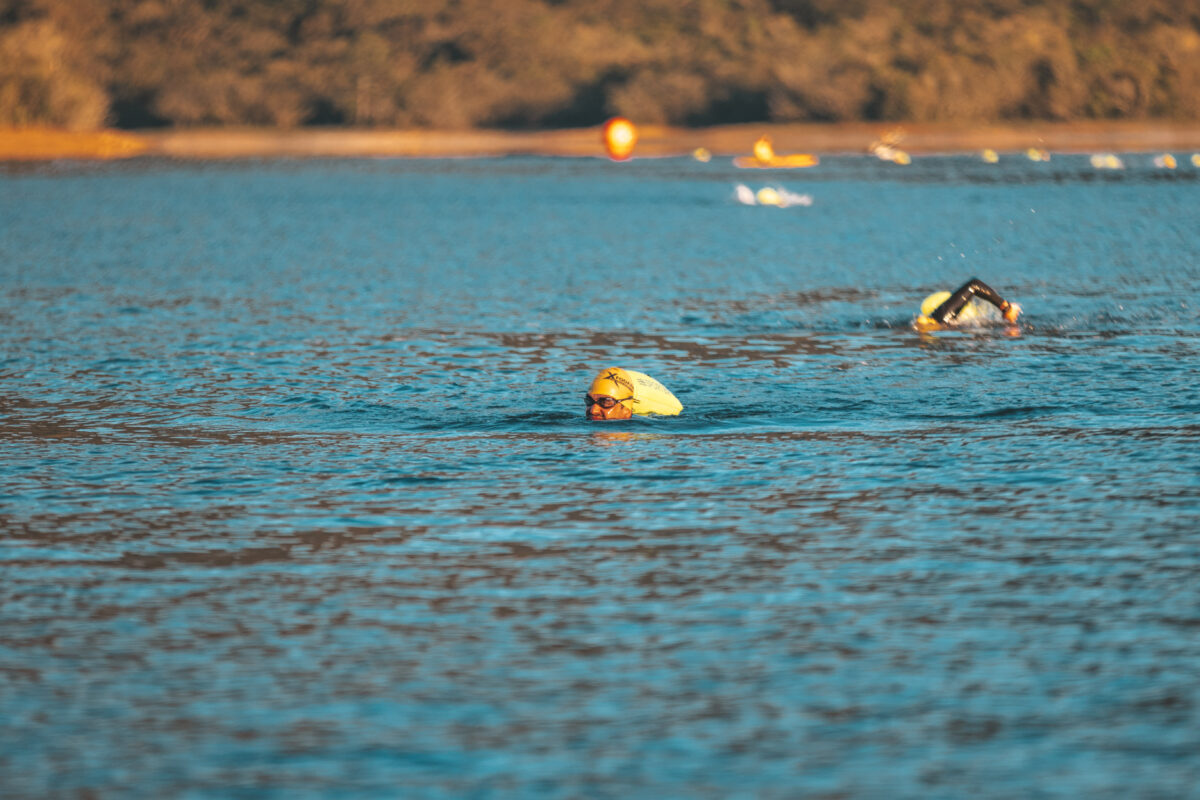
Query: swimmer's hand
{"points": [[1011, 312]]}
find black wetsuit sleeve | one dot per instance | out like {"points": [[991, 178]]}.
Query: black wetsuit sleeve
{"points": [[974, 287]]}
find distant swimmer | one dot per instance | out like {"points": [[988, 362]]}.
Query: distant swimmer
{"points": [[620, 393], [946, 309]]}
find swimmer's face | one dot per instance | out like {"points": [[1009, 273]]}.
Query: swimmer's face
{"points": [[603, 406]]}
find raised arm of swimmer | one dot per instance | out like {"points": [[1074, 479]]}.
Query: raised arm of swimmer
{"points": [[944, 308]]}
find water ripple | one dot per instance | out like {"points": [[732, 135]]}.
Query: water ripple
{"points": [[297, 498]]}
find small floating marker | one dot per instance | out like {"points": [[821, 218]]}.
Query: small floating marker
{"points": [[902, 158], [1165, 161], [989, 155], [1196, 159], [619, 138], [1107, 161], [1037, 154], [702, 155]]}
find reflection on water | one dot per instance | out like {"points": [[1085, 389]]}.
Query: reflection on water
{"points": [[298, 497]]}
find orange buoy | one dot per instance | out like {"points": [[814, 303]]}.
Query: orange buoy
{"points": [[619, 138]]}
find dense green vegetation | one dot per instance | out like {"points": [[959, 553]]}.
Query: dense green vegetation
{"points": [[560, 63]]}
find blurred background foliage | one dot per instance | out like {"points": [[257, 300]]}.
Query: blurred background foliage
{"points": [[562, 63]]}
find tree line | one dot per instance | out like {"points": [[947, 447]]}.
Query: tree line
{"points": [[527, 64]]}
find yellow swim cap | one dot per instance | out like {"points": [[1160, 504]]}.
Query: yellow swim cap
{"points": [[930, 304], [641, 393], [614, 382], [763, 150], [768, 197]]}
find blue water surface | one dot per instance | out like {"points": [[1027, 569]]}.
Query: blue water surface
{"points": [[298, 499]]}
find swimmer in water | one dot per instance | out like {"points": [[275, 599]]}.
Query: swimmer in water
{"points": [[946, 309], [621, 393]]}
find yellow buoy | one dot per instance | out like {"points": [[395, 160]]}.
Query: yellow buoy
{"points": [[702, 154], [793, 161], [766, 158], [930, 304], [990, 156]]}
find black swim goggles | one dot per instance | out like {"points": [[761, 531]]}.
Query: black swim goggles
{"points": [[604, 401]]}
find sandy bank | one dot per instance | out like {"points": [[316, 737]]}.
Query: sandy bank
{"points": [[44, 144], [654, 141]]}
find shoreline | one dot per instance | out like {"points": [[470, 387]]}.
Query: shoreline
{"points": [[655, 141]]}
